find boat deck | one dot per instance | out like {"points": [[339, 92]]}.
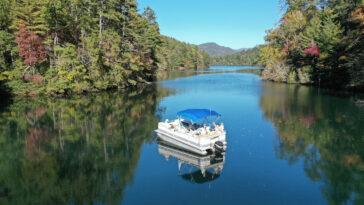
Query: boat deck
{"points": [[202, 132]]}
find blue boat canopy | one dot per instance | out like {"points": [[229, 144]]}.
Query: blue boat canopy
{"points": [[196, 115]]}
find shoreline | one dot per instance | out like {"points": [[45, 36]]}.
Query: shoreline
{"points": [[5, 91]]}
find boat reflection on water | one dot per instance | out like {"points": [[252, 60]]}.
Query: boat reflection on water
{"points": [[201, 168]]}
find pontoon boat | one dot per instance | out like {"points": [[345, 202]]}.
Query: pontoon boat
{"points": [[195, 130]]}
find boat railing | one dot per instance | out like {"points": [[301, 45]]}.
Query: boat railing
{"points": [[203, 131]]}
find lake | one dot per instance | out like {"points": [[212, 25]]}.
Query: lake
{"points": [[287, 144]]}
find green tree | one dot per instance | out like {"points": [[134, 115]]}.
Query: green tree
{"points": [[150, 15], [173, 54], [33, 14], [6, 37], [317, 41], [76, 46], [245, 57]]}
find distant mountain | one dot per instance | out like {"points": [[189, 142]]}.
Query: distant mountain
{"points": [[242, 49], [214, 49], [248, 56]]}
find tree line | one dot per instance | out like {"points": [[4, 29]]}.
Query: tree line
{"points": [[245, 57], [73, 46], [317, 42], [174, 54]]}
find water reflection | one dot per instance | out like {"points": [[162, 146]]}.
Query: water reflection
{"points": [[82, 150], [192, 167], [326, 132], [171, 75], [99, 149]]}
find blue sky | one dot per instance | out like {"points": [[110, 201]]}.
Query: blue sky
{"points": [[232, 23]]}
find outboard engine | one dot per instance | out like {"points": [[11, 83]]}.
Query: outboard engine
{"points": [[219, 147], [217, 158]]}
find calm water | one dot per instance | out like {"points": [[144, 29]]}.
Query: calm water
{"points": [[286, 145]]}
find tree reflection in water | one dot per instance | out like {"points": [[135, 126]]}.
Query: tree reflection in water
{"points": [[81, 150], [325, 131]]}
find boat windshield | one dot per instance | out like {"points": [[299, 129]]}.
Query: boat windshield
{"points": [[190, 125]]}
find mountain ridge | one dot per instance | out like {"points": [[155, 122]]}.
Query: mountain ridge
{"points": [[216, 50]]}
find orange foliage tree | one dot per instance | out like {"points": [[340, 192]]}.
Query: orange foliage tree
{"points": [[31, 47]]}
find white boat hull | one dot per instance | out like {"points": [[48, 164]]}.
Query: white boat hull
{"points": [[197, 144]]}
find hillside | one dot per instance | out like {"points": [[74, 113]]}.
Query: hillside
{"points": [[244, 57], [51, 47], [324, 46], [214, 49], [174, 54]]}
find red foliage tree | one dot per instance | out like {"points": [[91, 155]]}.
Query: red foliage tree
{"points": [[30, 45], [312, 50]]}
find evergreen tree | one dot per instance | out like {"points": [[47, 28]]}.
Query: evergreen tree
{"points": [[32, 14], [75, 46], [319, 42], [6, 37], [173, 54], [150, 15]]}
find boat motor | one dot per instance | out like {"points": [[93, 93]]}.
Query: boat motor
{"points": [[219, 146]]}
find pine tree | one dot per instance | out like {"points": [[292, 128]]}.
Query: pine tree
{"points": [[150, 15], [6, 37], [85, 45], [32, 14]]}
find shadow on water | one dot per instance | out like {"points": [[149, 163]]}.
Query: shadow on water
{"points": [[81, 150], [5, 96], [324, 131]]}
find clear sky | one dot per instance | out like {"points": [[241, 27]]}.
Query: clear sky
{"points": [[232, 23]]}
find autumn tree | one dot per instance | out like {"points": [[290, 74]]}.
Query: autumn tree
{"points": [[74, 46], [30, 46], [320, 42]]}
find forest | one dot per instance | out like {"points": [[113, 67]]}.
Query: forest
{"points": [[173, 54], [317, 42], [248, 56], [59, 47]]}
